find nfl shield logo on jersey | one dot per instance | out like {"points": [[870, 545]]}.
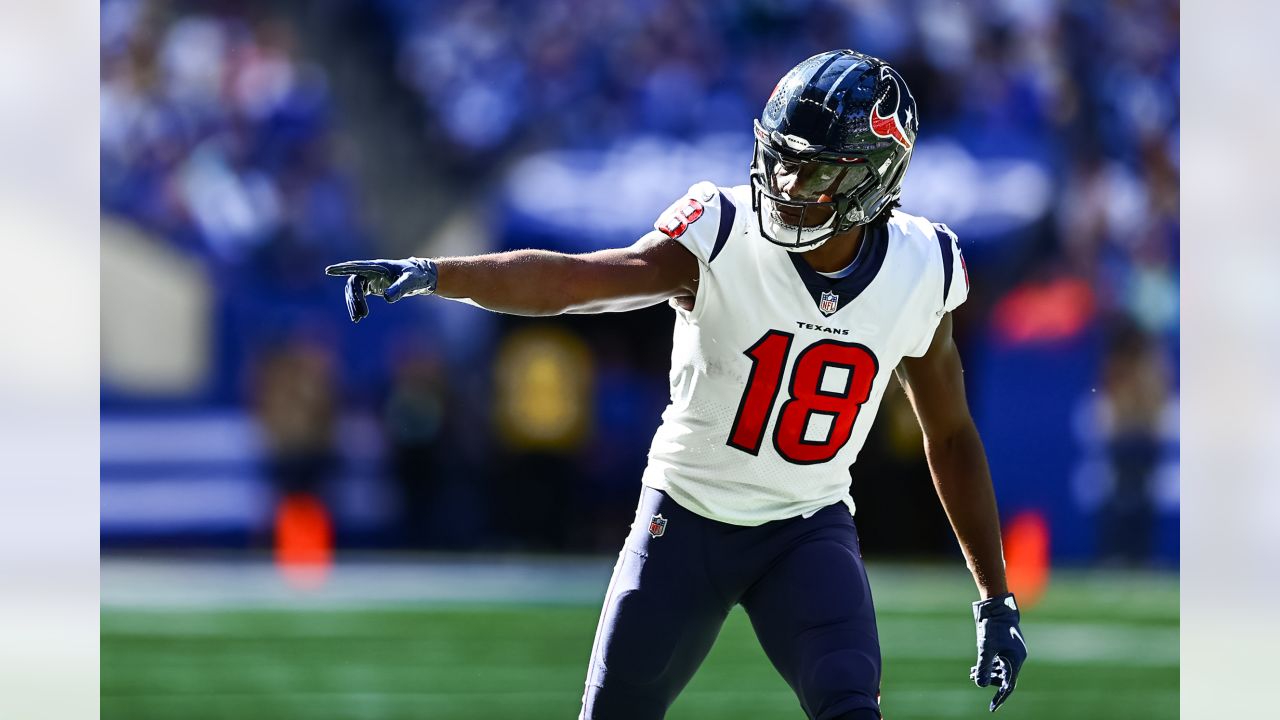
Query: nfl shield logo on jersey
{"points": [[657, 525], [829, 302]]}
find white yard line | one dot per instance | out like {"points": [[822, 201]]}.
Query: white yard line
{"points": [[180, 582], [212, 584], [909, 630]]}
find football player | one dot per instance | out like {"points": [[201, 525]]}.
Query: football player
{"points": [[796, 296]]}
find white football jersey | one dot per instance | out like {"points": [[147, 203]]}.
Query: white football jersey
{"points": [[777, 372]]}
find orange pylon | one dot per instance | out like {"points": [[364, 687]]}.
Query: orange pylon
{"points": [[1026, 556], [303, 540]]}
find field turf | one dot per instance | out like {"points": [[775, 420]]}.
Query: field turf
{"points": [[1103, 645]]}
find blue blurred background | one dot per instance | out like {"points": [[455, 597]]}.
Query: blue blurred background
{"points": [[245, 145]]}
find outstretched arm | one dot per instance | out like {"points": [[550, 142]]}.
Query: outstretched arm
{"points": [[957, 461], [538, 282], [535, 282]]}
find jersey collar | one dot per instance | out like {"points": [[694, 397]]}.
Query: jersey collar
{"points": [[870, 257]]}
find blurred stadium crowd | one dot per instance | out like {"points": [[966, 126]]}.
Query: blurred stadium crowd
{"points": [[231, 158]]}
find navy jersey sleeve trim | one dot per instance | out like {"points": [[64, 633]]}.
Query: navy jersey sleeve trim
{"points": [[727, 213], [948, 263]]}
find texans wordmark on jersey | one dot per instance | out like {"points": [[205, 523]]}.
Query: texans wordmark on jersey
{"points": [[777, 371]]}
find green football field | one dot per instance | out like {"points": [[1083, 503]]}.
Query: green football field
{"points": [[1103, 645]]}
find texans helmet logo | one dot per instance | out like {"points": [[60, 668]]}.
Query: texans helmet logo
{"points": [[890, 125]]}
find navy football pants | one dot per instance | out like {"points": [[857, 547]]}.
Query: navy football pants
{"points": [[800, 580]]}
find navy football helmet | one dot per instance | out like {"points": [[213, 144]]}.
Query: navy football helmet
{"points": [[831, 149]]}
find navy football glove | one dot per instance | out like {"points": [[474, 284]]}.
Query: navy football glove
{"points": [[389, 279], [1001, 649]]}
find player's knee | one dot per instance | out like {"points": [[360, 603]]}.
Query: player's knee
{"points": [[842, 682], [857, 714], [611, 701], [845, 672], [637, 656]]}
